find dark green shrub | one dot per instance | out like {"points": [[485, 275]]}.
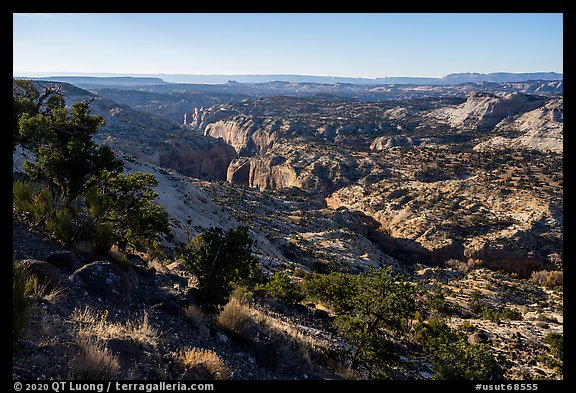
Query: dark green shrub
{"points": [[463, 361], [483, 310], [22, 287], [550, 362], [33, 201], [372, 309], [508, 313], [60, 224], [282, 287], [336, 290], [219, 261], [435, 301], [451, 355], [102, 238], [555, 342]]}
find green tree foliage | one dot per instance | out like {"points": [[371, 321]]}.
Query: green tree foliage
{"points": [[555, 342], [372, 310], [335, 290], [61, 139], [79, 193], [282, 287], [26, 99], [219, 260], [453, 358], [123, 210], [482, 309]]}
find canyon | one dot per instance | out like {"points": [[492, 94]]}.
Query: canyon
{"points": [[458, 186]]}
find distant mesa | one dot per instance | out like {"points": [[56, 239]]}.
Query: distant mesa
{"points": [[120, 81], [160, 79]]}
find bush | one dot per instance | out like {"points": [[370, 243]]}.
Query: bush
{"points": [[61, 225], [452, 357], [335, 290], [549, 279], [32, 201], [235, 318], [555, 342], [436, 302], [22, 288], [202, 361], [554, 364], [513, 315], [463, 361], [219, 261], [195, 315], [483, 310], [282, 287]]}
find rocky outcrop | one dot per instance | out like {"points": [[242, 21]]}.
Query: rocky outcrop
{"points": [[265, 175], [239, 171], [439, 221], [543, 130], [247, 135], [385, 142], [200, 118], [65, 260], [262, 173], [483, 111]]}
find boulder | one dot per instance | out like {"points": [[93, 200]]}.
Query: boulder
{"points": [[478, 337], [44, 272], [104, 280], [64, 260]]}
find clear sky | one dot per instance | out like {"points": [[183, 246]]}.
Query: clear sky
{"points": [[348, 44]]}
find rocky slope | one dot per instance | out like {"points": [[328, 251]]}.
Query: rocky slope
{"points": [[154, 139], [433, 213], [483, 111], [541, 128]]}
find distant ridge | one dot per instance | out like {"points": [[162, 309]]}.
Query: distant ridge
{"points": [[105, 81], [160, 79], [446, 80]]}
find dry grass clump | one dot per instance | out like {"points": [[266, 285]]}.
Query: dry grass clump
{"points": [[552, 279], [463, 267], [95, 361], [205, 363], [235, 317], [197, 318], [194, 314], [94, 323]]}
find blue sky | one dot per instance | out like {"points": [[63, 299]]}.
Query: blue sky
{"points": [[352, 45]]}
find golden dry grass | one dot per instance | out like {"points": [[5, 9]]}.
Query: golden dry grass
{"points": [[206, 360], [235, 317], [94, 323], [94, 362]]}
